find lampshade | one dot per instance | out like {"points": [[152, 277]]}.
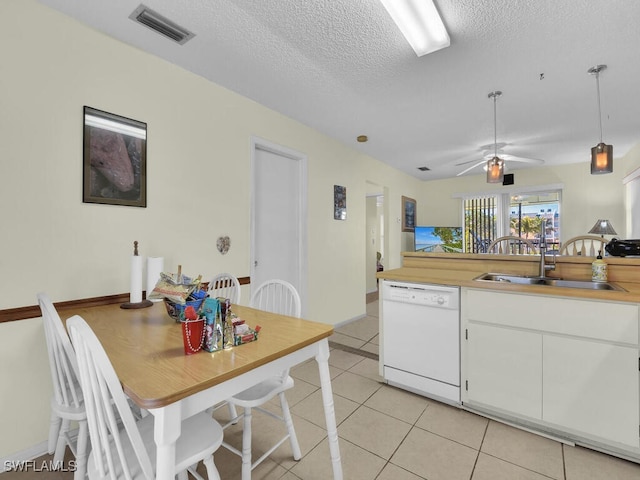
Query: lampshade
{"points": [[601, 159], [603, 227], [495, 170], [601, 154]]}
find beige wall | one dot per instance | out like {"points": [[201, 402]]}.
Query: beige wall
{"points": [[585, 197], [372, 235], [198, 189]]}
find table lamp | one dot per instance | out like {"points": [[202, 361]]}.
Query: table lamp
{"points": [[602, 228]]}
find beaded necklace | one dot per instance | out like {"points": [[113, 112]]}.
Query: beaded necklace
{"points": [[188, 334]]}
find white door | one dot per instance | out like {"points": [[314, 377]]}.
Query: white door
{"points": [[278, 233]]}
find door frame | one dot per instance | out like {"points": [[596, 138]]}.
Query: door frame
{"points": [[263, 144]]}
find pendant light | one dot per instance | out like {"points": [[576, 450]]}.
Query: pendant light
{"points": [[601, 154], [495, 165]]}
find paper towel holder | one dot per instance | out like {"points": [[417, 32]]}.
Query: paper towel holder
{"points": [[143, 303]]}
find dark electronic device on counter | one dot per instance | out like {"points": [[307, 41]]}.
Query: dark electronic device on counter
{"points": [[623, 248]]}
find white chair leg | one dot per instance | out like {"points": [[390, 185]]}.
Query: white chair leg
{"points": [[286, 414], [246, 445], [232, 411], [81, 451], [54, 430], [212, 471], [58, 456]]}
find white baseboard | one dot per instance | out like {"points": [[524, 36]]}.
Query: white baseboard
{"points": [[348, 320], [25, 455]]}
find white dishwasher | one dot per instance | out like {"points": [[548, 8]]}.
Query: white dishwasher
{"points": [[421, 339]]}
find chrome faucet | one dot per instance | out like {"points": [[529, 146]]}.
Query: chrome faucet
{"points": [[543, 248]]}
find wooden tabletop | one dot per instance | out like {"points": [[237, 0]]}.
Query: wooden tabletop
{"points": [[146, 349]]}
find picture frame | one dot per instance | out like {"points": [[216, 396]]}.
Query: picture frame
{"points": [[408, 214], [339, 202], [114, 167]]}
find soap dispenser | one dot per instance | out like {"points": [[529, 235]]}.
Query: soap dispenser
{"points": [[599, 269]]}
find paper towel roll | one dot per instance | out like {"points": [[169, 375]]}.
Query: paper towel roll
{"points": [[136, 279], [155, 265]]}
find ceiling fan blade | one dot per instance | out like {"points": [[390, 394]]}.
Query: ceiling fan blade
{"points": [[482, 162], [467, 162], [513, 158]]}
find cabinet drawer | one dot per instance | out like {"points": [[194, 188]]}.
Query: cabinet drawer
{"points": [[596, 319]]}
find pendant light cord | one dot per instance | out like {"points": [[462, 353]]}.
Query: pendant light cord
{"points": [[495, 128], [599, 109]]}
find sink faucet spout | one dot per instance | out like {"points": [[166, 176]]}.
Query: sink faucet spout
{"points": [[544, 267]]}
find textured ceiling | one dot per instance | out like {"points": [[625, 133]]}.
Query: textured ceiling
{"points": [[343, 68]]}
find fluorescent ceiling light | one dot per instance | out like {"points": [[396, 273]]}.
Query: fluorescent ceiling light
{"points": [[420, 23]]}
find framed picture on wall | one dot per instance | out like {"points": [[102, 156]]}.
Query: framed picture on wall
{"points": [[339, 202], [114, 167], [408, 214]]}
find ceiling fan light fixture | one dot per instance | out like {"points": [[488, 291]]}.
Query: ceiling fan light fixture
{"points": [[420, 23], [495, 170], [601, 154]]}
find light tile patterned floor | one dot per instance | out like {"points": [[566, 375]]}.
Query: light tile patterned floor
{"points": [[389, 434]]}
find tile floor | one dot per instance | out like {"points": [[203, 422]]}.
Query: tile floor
{"points": [[387, 433]]}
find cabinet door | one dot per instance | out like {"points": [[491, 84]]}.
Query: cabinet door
{"points": [[504, 369], [592, 387]]}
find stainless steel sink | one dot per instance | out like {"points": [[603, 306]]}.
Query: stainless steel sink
{"points": [[552, 282]]}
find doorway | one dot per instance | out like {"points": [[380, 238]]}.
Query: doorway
{"points": [[278, 216], [375, 247]]}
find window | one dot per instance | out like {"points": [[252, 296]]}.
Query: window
{"points": [[520, 214], [529, 211], [480, 223]]}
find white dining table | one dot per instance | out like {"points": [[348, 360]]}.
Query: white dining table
{"points": [[145, 347]]}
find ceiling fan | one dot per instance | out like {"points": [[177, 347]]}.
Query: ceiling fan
{"points": [[487, 155], [494, 161]]}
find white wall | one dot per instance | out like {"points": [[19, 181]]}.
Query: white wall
{"points": [[632, 193], [198, 155]]}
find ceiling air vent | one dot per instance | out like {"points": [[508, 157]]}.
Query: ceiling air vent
{"points": [[424, 169], [160, 24]]}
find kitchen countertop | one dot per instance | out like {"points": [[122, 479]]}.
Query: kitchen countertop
{"points": [[464, 278]]}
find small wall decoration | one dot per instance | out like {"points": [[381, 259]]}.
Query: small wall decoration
{"points": [[114, 159], [223, 244], [339, 202], [408, 214]]}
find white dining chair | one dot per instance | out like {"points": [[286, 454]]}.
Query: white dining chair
{"points": [[585, 245], [225, 285], [512, 245], [280, 297], [67, 403], [129, 452]]}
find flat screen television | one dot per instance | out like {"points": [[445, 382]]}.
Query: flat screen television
{"points": [[438, 239]]}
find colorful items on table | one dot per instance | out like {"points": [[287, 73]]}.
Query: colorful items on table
{"points": [[213, 338], [193, 331]]}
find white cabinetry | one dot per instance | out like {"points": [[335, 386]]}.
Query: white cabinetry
{"points": [[494, 379], [589, 387], [567, 365]]}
